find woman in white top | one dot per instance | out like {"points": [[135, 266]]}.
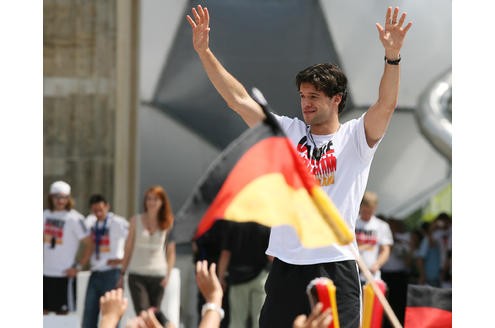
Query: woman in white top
{"points": [[149, 258]]}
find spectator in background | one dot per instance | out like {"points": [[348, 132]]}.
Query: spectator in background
{"points": [[150, 251], [373, 236], [395, 272], [244, 266], [415, 240], [63, 231], [108, 234], [444, 233], [431, 255]]}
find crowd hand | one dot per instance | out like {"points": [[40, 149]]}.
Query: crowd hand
{"points": [[208, 282], [393, 34], [317, 318], [71, 272], [200, 28], [146, 319], [112, 306], [374, 268], [164, 282]]}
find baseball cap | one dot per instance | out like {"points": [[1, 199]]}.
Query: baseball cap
{"points": [[60, 187]]}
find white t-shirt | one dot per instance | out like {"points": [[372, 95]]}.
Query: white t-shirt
{"points": [[62, 232], [112, 242], [372, 234], [342, 167]]}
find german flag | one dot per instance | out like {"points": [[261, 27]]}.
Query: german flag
{"points": [[260, 178], [373, 309], [428, 307]]}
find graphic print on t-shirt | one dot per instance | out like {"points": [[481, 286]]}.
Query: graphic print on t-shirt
{"points": [[104, 241], [321, 162], [53, 231], [366, 237]]}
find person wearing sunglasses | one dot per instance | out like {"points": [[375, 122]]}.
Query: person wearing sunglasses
{"points": [[63, 231]]}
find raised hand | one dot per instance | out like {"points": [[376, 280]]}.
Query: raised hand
{"points": [[146, 319], [113, 305], [208, 282], [393, 34], [200, 28], [317, 318]]}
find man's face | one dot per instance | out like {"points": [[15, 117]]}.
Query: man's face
{"points": [[317, 107], [100, 210], [60, 201], [366, 211]]}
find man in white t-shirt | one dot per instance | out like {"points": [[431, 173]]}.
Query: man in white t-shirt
{"points": [[339, 155], [108, 233], [373, 235], [63, 232]]}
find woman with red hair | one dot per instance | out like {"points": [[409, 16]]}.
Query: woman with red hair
{"points": [[149, 251]]}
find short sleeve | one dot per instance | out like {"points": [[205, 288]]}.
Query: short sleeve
{"points": [[78, 225], [387, 238], [364, 150]]}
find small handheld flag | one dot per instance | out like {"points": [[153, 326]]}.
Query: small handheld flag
{"points": [[373, 309], [323, 290]]}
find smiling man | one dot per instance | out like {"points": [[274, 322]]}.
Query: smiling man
{"points": [[338, 155]]}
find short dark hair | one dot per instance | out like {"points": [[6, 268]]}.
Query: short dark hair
{"points": [[97, 198], [328, 78]]}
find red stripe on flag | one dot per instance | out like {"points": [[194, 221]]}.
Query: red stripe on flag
{"points": [[377, 316], [427, 317], [270, 155], [324, 298]]}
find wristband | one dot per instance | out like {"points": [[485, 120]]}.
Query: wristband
{"points": [[212, 307], [392, 62], [77, 266]]}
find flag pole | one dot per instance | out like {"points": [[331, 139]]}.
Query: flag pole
{"points": [[369, 277]]}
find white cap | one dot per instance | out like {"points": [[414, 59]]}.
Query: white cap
{"points": [[60, 187]]}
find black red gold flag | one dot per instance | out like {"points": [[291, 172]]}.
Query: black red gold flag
{"points": [[260, 178], [428, 307]]}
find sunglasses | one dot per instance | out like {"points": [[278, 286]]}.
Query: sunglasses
{"points": [[60, 196]]}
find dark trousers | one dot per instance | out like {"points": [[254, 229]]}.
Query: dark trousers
{"points": [[286, 296], [59, 294], [99, 283], [146, 291]]}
